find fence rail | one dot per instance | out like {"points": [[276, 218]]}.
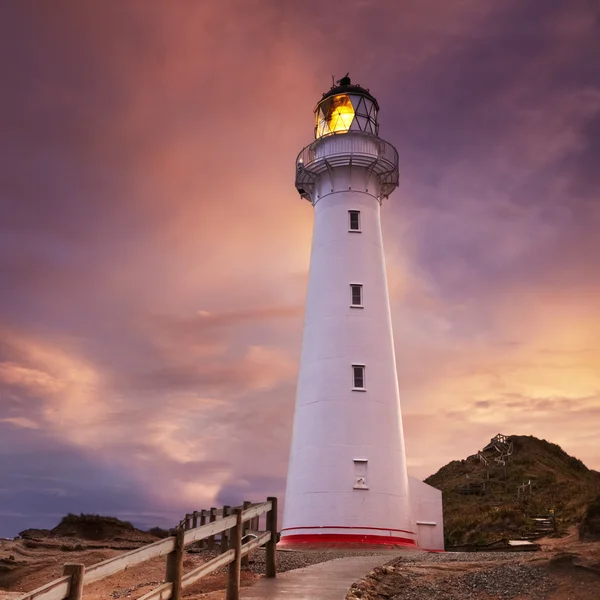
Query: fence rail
{"points": [[231, 527]]}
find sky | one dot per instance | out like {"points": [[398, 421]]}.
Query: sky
{"points": [[154, 252]]}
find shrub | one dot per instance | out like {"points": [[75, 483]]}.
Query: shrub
{"points": [[92, 527], [93, 519], [159, 532]]}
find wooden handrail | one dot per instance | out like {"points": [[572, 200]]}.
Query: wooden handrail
{"points": [[135, 557], [256, 542], [162, 592], [55, 590], [208, 530], [207, 568], [256, 510], [60, 589]]}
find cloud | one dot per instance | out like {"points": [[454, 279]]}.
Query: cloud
{"points": [[21, 422], [156, 426], [154, 253]]}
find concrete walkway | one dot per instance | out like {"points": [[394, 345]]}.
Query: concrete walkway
{"points": [[324, 581]]}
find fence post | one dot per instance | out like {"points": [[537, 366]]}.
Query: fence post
{"points": [[246, 506], [195, 519], [188, 521], [271, 545], [213, 518], [245, 528], [233, 580], [175, 565], [202, 522], [225, 534], [76, 571]]}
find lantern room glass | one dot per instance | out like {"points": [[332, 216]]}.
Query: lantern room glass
{"points": [[346, 112]]}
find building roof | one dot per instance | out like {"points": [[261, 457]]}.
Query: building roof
{"points": [[345, 86]]}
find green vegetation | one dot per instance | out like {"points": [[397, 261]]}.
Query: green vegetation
{"points": [[482, 502], [159, 532], [91, 519]]}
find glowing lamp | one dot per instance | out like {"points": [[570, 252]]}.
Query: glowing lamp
{"points": [[345, 108]]}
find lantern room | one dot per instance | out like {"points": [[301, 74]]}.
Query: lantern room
{"points": [[344, 108]]}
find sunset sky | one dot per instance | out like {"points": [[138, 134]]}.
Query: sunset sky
{"points": [[154, 252]]}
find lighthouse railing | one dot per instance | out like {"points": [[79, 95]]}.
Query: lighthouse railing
{"points": [[353, 149]]}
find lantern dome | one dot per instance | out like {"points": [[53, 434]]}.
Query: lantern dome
{"points": [[346, 107]]}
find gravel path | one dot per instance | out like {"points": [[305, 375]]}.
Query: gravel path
{"points": [[504, 582], [428, 576], [456, 576], [463, 557], [287, 560]]}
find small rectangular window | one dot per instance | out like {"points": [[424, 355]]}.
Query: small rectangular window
{"points": [[356, 294], [358, 372], [354, 216]]}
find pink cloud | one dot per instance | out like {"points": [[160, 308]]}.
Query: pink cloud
{"points": [[154, 252]]}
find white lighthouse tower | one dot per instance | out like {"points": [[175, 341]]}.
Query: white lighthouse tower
{"points": [[347, 481]]}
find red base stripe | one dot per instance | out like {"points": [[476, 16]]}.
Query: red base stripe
{"points": [[338, 540], [349, 527]]}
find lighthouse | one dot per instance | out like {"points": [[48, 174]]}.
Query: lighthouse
{"points": [[347, 481]]}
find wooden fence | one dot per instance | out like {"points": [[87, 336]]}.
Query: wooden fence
{"points": [[201, 517], [231, 526]]}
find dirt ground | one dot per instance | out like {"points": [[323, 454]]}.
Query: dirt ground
{"points": [[575, 567], [564, 569]]}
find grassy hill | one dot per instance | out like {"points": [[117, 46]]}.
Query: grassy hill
{"points": [[92, 527], [497, 492]]}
